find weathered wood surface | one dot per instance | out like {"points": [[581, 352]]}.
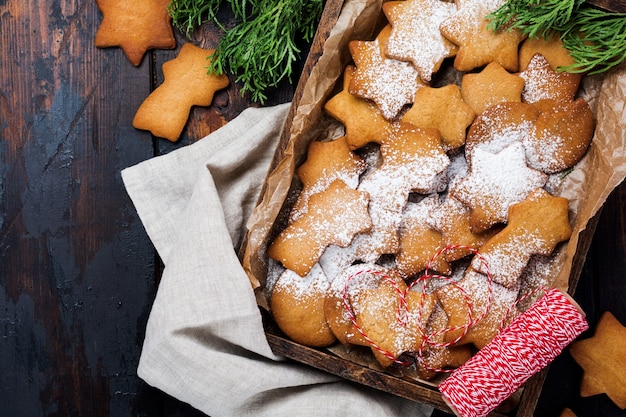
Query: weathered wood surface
{"points": [[78, 274]]}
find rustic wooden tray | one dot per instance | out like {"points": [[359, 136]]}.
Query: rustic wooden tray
{"points": [[525, 401]]}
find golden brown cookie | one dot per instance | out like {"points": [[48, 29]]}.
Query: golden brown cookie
{"points": [[297, 305], [550, 47], [135, 27], [363, 121], [535, 226], [326, 162], [491, 86], [499, 126], [389, 83], [418, 241], [541, 82], [560, 136], [415, 35], [443, 109], [495, 182], [492, 306], [479, 45], [334, 216], [166, 110], [603, 359]]}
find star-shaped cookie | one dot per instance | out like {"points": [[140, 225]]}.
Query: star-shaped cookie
{"points": [[326, 161], [603, 359], [389, 83], [186, 84], [415, 34], [535, 226], [495, 182], [491, 86], [479, 45], [334, 216], [363, 121], [135, 26], [443, 109], [542, 82]]}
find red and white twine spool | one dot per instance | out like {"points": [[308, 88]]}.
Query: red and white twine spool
{"points": [[527, 345]]}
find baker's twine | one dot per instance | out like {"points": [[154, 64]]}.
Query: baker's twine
{"points": [[523, 348]]}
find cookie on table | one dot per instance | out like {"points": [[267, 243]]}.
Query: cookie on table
{"points": [[542, 82], [492, 85], [443, 109], [388, 82], [535, 226], [135, 27], [186, 84], [495, 183], [560, 136], [297, 305], [334, 216], [479, 45], [415, 35]]}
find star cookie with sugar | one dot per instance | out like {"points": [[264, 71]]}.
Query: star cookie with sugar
{"points": [[603, 359], [535, 226], [479, 45], [495, 182], [135, 26], [542, 82], [363, 122], [326, 161], [443, 109], [388, 82], [415, 34]]}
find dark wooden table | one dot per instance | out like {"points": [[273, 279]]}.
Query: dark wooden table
{"points": [[78, 274]]}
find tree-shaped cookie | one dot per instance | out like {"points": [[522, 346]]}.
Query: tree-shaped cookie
{"points": [[535, 226], [166, 110], [334, 216], [135, 26]]}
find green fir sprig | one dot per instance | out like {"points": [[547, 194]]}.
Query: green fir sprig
{"points": [[595, 39], [260, 50]]}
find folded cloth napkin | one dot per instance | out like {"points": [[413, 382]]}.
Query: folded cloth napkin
{"points": [[205, 343]]}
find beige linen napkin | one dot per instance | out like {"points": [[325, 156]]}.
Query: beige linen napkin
{"points": [[204, 342]]}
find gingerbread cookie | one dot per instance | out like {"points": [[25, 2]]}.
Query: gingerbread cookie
{"points": [[491, 86], [135, 27], [363, 122], [389, 83], [166, 110], [479, 45], [415, 35], [495, 182], [560, 136], [542, 82], [551, 47], [603, 359], [297, 305], [326, 161], [334, 216], [535, 226], [442, 109]]}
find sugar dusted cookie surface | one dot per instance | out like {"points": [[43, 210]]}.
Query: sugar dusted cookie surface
{"points": [[495, 182], [389, 83], [135, 27], [541, 82], [415, 34], [479, 45], [166, 110]]}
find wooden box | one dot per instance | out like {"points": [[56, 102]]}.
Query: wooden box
{"points": [[521, 404]]}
